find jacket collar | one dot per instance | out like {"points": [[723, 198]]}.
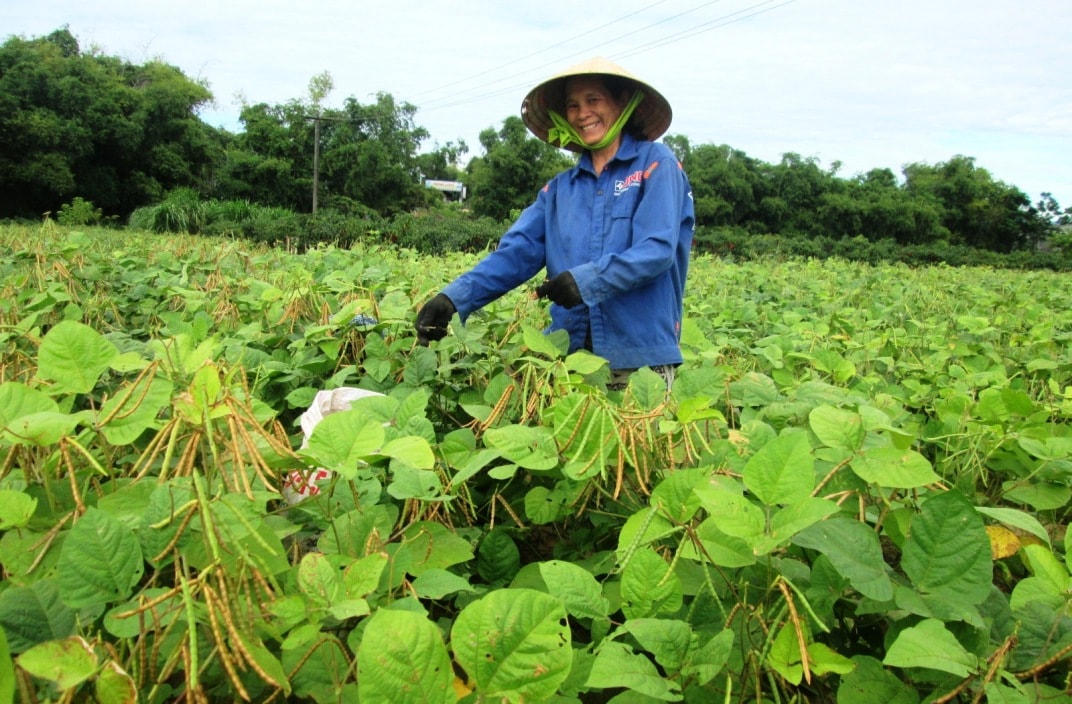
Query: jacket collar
{"points": [[627, 151]]}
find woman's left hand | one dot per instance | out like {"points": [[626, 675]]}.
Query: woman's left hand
{"points": [[562, 290]]}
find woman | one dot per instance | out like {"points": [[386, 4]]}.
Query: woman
{"points": [[613, 232]]}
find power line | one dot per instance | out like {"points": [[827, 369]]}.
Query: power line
{"points": [[555, 62], [582, 35], [700, 29], [724, 20]]}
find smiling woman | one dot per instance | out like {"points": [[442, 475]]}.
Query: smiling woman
{"points": [[613, 233]]}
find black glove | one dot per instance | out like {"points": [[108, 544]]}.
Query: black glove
{"points": [[433, 318], [561, 290]]}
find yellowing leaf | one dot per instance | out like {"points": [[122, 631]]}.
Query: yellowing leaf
{"points": [[461, 688], [67, 662], [740, 441], [1003, 542]]}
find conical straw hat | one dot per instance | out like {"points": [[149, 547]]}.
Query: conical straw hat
{"points": [[652, 115]]}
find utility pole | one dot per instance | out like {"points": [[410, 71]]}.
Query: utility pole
{"points": [[319, 87], [316, 119], [316, 159]]}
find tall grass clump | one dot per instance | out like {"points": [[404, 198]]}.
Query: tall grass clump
{"points": [[182, 211]]}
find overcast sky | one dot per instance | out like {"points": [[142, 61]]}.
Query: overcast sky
{"points": [[868, 83]]}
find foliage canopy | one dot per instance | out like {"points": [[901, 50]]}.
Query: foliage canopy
{"points": [[86, 125], [120, 136]]}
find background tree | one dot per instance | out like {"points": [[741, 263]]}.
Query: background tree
{"points": [[874, 206], [792, 191], [977, 210], [1048, 208], [443, 162], [727, 186], [76, 124], [271, 161], [320, 87], [515, 166], [679, 144], [370, 155]]}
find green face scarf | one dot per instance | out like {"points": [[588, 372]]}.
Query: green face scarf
{"points": [[564, 133]]}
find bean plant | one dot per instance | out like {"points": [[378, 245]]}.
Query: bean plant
{"points": [[855, 491]]}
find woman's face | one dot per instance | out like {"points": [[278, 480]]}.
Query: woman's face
{"points": [[590, 108]]}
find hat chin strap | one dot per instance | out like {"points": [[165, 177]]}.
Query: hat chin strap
{"points": [[565, 134]]}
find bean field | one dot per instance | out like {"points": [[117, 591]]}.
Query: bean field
{"points": [[856, 491]]}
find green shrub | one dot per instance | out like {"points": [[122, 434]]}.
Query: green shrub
{"points": [[443, 230], [350, 208], [721, 241], [341, 228], [275, 226], [79, 212], [737, 244]]}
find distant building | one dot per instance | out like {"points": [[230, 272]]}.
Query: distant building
{"points": [[451, 190]]}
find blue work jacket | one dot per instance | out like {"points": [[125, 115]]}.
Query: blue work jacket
{"points": [[624, 235]]}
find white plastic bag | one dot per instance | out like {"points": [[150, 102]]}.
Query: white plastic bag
{"points": [[301, 484]]}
